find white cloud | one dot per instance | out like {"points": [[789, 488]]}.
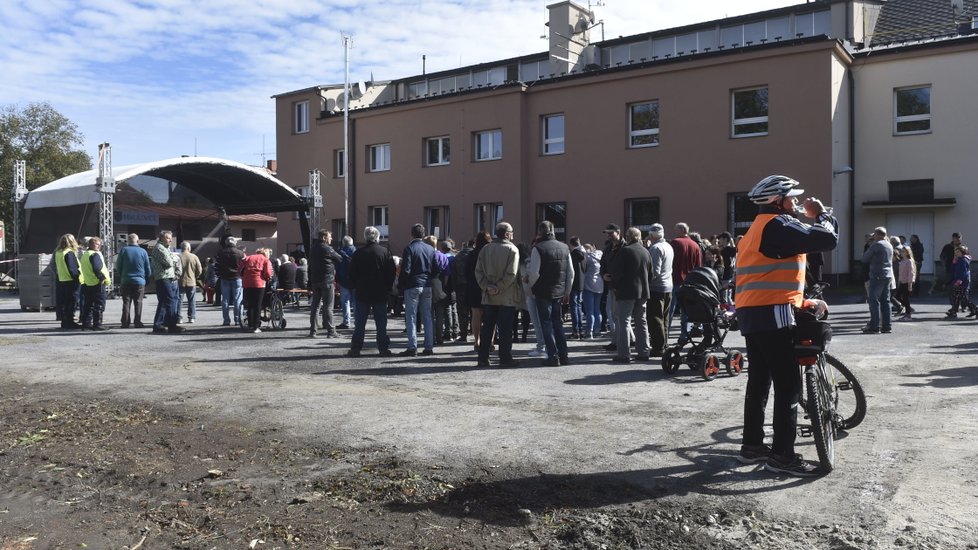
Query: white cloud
{"points": [[152, 76]]}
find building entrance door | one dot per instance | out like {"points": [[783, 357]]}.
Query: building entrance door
{"points": [[920, 224]]}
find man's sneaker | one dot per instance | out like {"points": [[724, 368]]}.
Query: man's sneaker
{"points": [[409, 353], [753, 454], [537, 353], [793, 466], [343, 326], [352, 353], [611, 347], [428, 352], [386, 353], [870, 330], [551, 362]]}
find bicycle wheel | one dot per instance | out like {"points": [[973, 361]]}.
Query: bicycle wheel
{"points": [[850, 399], [821, 415], [277, 314]]}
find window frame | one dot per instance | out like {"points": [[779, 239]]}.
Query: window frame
{"points": [[384, 211], [339, 163], [547, 141], [477, 145], [444, 152], [630, 220], [494, 210], [633, 133], [737, 122], [372, 158], [559, 207], [300, 117], [444, 213], [898, 119]]}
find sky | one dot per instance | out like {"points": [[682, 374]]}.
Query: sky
{"points": [[163, 78]]}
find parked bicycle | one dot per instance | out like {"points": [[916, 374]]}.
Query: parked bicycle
{"points": [[833, 399]]}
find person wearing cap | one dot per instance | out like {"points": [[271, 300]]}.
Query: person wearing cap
{"points": [[770, 286], [228, 260], [611, 247], [660, 290]]}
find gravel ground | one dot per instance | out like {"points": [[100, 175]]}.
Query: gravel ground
{"points": [[217, 438]]}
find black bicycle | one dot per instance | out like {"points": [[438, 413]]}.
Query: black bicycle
{"points": [[833, 399]]}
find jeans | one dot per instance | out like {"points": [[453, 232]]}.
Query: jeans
{"points": [[166, 304], [347, 303], [190, 292], [772, 359], [576, 311], [492, 317], [592, 312], [609, 313], [415, 300], [231, 295], [132, 295], [879, 303], [531, 306], [360, 313], [552, 325], [322, 295], [628, 311], [657, 313]]}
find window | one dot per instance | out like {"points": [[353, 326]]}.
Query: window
{"points": [[553, 135], [911, 191], [301, 111], [642, 213], [380, 157], [912, 106], [489, 145], [437, 151], [378, 219], [339, 230], [339, 160], [740, 213], [555, 213], [749, 109], [249, 235], [487, 215], [643, 124], [436, 221]]}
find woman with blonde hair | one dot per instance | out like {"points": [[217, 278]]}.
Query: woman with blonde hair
{"points": [[905, 280], [68, 271]]}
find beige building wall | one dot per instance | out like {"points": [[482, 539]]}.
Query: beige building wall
{"points": [[693, 171], [946, 154]]}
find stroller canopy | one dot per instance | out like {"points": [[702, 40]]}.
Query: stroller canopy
{"points": [[700, 295]]}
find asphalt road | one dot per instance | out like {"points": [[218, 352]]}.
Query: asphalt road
{"points": [[910, 464]]}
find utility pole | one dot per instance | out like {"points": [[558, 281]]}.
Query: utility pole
{"points": [[105, 185], [347, 44], [19, 196], [316, 198]]}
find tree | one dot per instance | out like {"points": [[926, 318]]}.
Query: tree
{"points": [[47, 141]]}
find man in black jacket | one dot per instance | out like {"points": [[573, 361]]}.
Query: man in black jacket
{"points": [[579, 261], [631, 273], [228, 260], [551, 277], [371, 274], [322, 274]]}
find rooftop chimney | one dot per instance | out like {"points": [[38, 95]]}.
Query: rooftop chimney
{"points": [[570, 45]]}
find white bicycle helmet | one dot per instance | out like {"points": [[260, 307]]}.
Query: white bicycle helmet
{"points": [[773, 188]]}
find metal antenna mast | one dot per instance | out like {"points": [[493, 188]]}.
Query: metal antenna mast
{"points": [[347, 44], [105, 185], [315, 210], [20, 193]]}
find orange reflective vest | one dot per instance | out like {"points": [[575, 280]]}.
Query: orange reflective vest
{"points": [[763, 281]]}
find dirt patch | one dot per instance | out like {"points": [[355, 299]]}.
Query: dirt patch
{"points": [[88, 472]]}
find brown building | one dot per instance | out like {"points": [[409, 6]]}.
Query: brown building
{"points": [[670, 126]]}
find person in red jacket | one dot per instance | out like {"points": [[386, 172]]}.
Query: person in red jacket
{"points": [[687, 256], [255, 271]]}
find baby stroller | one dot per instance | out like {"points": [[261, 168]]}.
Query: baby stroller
{"points": [[699, 295]]}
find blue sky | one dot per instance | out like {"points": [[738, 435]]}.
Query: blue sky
{"points": [[164, 78]]}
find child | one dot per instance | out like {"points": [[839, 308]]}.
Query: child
{"points": [[906, 274], [961, 283]]}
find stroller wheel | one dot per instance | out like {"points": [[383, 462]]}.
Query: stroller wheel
{"points": [[711, 367], [734, 362], [671, 360]]}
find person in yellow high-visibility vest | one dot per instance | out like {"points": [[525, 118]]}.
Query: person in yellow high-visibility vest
{"points": [[96, 277], [67, 270], [770, 282]]}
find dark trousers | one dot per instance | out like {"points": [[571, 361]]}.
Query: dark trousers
{"points": [[132, 304], [772, 360], [464, 318], [253, 301], [552, 326], [167, 313], [360, 312], [493, 316], [66, 302], [91, 315], [903, 295], [322, 295], [657, 313]]}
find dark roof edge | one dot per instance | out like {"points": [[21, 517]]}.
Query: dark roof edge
{"points": [[943, 42]]}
